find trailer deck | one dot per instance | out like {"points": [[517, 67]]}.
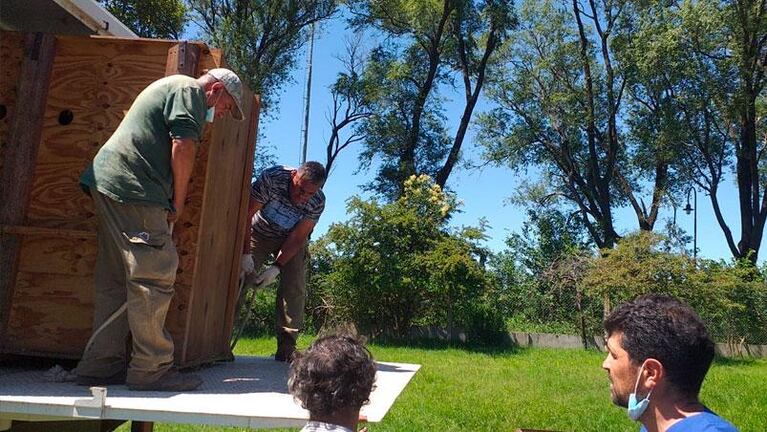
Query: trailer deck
{"points": [[250, 392]]}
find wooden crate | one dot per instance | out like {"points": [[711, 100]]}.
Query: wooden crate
{"points": [[60, 100]]}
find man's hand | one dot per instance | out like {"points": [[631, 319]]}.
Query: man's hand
{"points": [[246, 265], [174, 215], [267, 276]]}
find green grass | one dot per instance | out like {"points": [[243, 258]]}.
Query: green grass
{"points": [[501, 390]]}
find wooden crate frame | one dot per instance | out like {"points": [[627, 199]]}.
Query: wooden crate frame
{"points": [[61, 98]]}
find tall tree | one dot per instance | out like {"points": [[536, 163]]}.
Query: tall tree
{"points": [[261, 38], [350, 95], [729, 48], [707, 60], [150, 18], [476, 33], [406, 130], [427, 45], [561, 108]]}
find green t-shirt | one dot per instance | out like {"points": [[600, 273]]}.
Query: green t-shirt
{"points": [[134, 164]]}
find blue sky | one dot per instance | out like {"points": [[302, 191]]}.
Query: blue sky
{"points": [[484, 192]]}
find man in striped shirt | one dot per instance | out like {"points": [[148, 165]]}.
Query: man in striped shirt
{"points": [[285, 205]]}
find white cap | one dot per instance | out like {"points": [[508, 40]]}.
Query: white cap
{"points": [[233, 85]]}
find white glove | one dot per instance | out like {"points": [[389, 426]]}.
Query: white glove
{"points": [[267, 276], [246, 265]]}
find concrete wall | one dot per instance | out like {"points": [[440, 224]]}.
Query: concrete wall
{"points": [[549, 340]]}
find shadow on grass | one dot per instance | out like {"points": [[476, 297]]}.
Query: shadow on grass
{"points": [[441, 345]]}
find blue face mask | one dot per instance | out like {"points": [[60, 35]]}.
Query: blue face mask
{"points": [[636, 409]]}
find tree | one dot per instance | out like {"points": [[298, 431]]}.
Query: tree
{"points": [[561, 108], [539, 271], [350, 95], [163, 19], [730, 298], [724, 102], [471, 28], [395, 265], [426, 45], [261, 39]]}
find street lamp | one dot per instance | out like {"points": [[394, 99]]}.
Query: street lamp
{"points": [[694, 210]]}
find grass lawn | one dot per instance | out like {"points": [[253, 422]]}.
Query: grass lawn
{"points": [[465, 390]]}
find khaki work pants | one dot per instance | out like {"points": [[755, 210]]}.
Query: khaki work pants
{"points": [[137, 263], [291, 293]]}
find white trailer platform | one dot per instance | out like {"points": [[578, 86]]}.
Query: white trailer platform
{"points": [[249, 392]]}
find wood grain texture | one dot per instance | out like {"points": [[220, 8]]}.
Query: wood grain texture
{"points": [[231, 306], [182, 59], [21, 155], [11, 54], [57, 255], [51, 314], [97, 79], [220, 239]]}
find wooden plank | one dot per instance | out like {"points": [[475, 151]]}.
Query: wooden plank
{"points": [[243, 215], [58, 255], [20, 156], [51, 313], [49, 232], [57, 200], [11, 53], [186, 236], [95, 81], [210, 58], [220, 233], [182, 59]]}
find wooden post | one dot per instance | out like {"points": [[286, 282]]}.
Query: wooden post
{"points": [[182, 59], [24, 133]]}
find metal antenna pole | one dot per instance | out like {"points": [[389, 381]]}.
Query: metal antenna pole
{"points": [[307, 96]]}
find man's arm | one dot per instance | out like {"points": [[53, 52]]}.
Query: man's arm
{"points": [[253, 208], [183, 151], [295, 241]]}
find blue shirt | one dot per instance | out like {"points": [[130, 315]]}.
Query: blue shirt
{"points": [[705, 421]]}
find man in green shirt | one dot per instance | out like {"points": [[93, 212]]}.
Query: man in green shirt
{"points": [[138, 181]]}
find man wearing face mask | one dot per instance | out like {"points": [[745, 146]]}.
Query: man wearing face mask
{"points": [[138, 181], [285, 205], [658, 353]]}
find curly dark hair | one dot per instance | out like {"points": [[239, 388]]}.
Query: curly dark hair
{"points": [[666, 329], [335, 373]]}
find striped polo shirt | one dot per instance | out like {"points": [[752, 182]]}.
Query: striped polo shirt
{"points": [[279, 216]]}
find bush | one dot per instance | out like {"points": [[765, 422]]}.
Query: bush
{"points": [[396, 265], [731, 298]]}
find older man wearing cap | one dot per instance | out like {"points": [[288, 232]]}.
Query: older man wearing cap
{"points": [[138, 181]]}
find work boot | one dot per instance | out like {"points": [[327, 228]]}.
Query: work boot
{"points": [[170, 381], [91, 381]]}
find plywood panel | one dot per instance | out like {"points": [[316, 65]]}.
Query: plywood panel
{"points": [[220, 228], [53, 255], [20, 157], [51, 313], [57, 199], [96, 80], [11, 53]]}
